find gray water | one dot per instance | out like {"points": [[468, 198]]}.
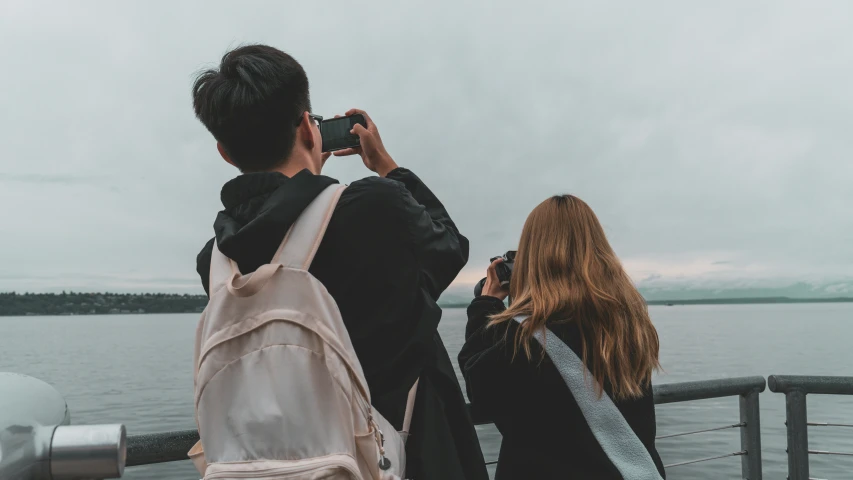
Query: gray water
{"points": [[137, 370]]}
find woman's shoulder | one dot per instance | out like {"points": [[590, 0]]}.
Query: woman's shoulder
{"points": [[567, 332]]}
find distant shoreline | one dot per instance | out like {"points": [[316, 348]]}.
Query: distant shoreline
{"points": [[749, 301], [720, 301], [74, 304]]}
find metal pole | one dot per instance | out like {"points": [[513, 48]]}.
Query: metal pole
{"points": [[798, 435], [750, 436]]}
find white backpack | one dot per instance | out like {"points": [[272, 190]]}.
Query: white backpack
{"points": [[279, 392]]}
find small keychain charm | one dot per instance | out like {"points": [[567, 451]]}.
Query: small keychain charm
{"points": [[384, 463]]}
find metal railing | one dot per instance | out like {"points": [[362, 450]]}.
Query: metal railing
{"points": [[173, 446], [795, 388], [748, 390]]}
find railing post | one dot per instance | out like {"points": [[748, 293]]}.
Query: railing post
{"points": [[750, 435], [798, 435]]}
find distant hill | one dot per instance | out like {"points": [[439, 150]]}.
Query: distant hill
{"points": [[661, 292], [705, 301], [660, 289], [456, 296]]}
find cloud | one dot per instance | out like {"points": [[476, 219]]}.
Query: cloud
{"points": [[120, 282], [697, 132], [39, 178]]}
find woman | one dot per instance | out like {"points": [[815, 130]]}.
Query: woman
{"points": [[566, 278]]}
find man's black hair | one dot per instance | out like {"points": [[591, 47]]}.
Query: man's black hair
{"points": [[252, 105]]}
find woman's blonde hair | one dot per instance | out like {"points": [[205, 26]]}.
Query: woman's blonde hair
{"points": [[566, 271]]}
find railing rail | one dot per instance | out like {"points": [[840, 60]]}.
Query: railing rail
{"points": [[795, 388], [160, 447], [173, 446]]}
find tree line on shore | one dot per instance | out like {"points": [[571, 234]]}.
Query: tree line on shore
{"points": [[71, 303]]}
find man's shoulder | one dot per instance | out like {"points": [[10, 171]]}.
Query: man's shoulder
{"points": [[376, 186], [373, 192], [373, 206], [206, 251], [202, 263]]}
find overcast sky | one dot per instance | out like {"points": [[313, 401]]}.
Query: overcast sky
{"points": [[713, 139]]}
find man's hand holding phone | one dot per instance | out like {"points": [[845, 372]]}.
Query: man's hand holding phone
{"points": [[371, 150]]}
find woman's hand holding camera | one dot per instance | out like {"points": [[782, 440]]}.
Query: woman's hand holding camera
{"points": [[493, 287]]}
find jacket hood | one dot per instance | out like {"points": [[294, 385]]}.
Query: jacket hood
{"points": [[259, 210]]}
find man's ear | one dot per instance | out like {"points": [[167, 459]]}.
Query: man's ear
{"points": [[305, 131], [225, 154]]}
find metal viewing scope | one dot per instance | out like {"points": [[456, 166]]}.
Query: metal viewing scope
{"points": [[37, 441]]}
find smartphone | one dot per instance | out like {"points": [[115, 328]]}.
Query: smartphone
{"points": [[335, 132]]}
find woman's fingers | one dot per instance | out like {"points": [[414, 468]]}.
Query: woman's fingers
{"points": [[492, 286]]}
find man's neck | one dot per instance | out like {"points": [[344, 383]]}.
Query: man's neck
{"points": [[295, 164]]}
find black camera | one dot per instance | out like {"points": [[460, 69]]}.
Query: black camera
{"points": [[503, 269]]}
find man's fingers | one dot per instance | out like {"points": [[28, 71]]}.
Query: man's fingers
{"points": [[358, 129], [346, 152], [353, 111]]}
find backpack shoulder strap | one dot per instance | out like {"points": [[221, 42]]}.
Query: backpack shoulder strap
{"points": [[299, 246], [410, 408], [616, 437]]}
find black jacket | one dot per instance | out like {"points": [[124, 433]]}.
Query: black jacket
{"points": [[544, 432], [389, 251]]}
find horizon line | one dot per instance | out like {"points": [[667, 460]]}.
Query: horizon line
{"points": [[656, 301]]}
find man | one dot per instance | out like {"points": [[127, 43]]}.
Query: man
{"points": [[388, 253]]}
